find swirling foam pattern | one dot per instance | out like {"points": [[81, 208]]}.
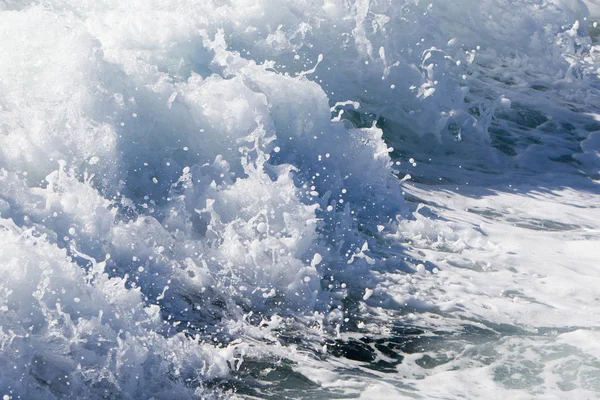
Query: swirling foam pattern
{"points": [[190, 190]]}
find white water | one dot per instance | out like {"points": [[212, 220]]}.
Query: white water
{"points": [[287, 198]]}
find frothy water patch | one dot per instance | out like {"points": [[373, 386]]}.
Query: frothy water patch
{"points": [[264, 198]]}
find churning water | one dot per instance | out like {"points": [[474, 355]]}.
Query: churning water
{"points": [[299, 199]]}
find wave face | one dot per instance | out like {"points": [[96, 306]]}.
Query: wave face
{"points": [[273, 198]]}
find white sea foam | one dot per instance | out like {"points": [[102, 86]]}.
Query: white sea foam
{"points": [[182, 183]]}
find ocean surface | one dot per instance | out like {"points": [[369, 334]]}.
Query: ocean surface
{"points": [[301, 199]]}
